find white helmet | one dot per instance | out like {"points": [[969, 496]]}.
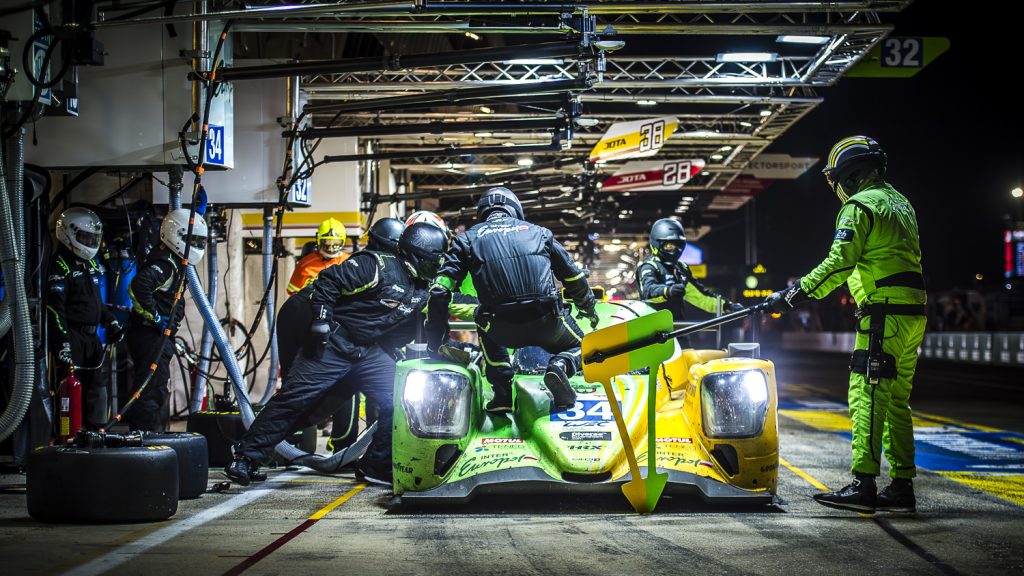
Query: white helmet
{"points": [[428, 217], [81, 231], [173, 230]]}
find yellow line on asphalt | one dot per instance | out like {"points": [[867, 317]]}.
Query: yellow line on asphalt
{"points": [[810, 479], [341, 500]]}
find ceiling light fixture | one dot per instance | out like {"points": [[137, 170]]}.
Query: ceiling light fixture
{"points": [[536, 61], [645, 102], [472, 36], [747, 57], [797, 39], [487, 110], [525, 162]]}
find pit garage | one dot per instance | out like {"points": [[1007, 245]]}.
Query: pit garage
{"points": [[424, 287]]}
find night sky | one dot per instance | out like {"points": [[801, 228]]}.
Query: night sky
{"points": [[953, 135]]}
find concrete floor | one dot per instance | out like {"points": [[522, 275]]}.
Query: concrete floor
{"points": [[966, 523]]}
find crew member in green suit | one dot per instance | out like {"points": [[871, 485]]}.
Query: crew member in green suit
{"points": [[877, 253]]}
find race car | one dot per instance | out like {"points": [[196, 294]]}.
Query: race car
{"points": [[716, 428]]}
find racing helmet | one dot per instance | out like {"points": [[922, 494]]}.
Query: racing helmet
{"points": [[330, 238], [668, 240], [423, 246], [80, 230], [850, 162], [428, 217], [174, 229], [384, 235], [499, 198]]}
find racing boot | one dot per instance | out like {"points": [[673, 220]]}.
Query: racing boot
{"points": [[502, 401], [240, 471], [556, 378], [255, 474], [898, 496], [374, 472], [857, 496]]}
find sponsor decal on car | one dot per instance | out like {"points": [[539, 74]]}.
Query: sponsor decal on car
{"points": [[591, 425], [585, 436], [477, 463], [582, 447], [487, 441], [674, 440]]}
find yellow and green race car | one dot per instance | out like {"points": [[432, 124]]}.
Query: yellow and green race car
{"points": [[716, 428]]}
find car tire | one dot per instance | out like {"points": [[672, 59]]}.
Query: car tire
{"points": [[222, 430], [96, 485], [193, 460]]}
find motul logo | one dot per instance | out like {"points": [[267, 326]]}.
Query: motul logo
{"points": [[487, 441]]}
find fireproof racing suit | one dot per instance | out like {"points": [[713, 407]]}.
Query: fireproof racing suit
{"points": [[513, 264], [309, 268], [152, 292], [660, 287], [364, 300], [75, 309], [876, 251]]}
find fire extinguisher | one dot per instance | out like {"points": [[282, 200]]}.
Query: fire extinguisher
{"points": [[70, 393]]}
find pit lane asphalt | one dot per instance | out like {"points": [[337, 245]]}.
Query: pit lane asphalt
{"points": [[959, 528]]}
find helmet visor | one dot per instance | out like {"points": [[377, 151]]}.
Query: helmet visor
{"points": [[332, 247], [198, 242], [88, 239]]}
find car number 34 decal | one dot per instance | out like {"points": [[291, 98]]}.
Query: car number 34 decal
{"points": [[586, 411]]}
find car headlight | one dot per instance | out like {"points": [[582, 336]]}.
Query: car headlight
{"points": [[734, 404], [437, 403]]}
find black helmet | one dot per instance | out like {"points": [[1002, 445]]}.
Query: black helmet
{"points": [[423, 246], [668, 240], [850, 162], [499, 198], [384, 235]]}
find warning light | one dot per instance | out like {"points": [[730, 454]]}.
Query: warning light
{"points": [[760, 269], [750, 282]]}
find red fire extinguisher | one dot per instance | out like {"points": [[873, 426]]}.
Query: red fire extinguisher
{"points": [[70, 394]]}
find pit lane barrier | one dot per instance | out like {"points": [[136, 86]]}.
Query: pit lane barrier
{"points": [[987, 348]]}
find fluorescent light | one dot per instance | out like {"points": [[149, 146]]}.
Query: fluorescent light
{"points": [[766, 112], [796, 39], [525, 162], [747, 57], [483, 134], [487, 110], [717, 157], [508, 144], [725, 148], [645, 102], [746, 124], [472, 36], [536, 61], [587, 122]]}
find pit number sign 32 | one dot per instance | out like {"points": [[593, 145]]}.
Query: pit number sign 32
{"points": [[902, 52]]}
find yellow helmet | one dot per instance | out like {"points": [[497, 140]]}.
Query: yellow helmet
{"points": [[330, 238]]}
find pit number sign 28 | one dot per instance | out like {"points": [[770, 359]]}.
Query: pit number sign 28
{"points": [[902, 53]]}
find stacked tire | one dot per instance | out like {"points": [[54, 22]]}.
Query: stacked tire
{"points": [[100, 484], [193, 460]]}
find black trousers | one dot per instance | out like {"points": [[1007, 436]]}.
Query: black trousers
{"points": [[314, 388], [552, 328], [293, 322], [150, 411]]}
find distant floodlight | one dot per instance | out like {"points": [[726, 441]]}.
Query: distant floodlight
{"points": [[766, 112], [645, 102], [747, 57], [472, 36], [1017, 192], [487, 110], [483, 134], [524, 162]]}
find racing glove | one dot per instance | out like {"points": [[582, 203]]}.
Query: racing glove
{"points": [[677, 291], [115, 332], [785, 300], [319, 330], [64, 355], [734, 307], [589, 314], [455, 351]]}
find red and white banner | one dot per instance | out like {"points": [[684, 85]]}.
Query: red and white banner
{"points": [[652, 175]]}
